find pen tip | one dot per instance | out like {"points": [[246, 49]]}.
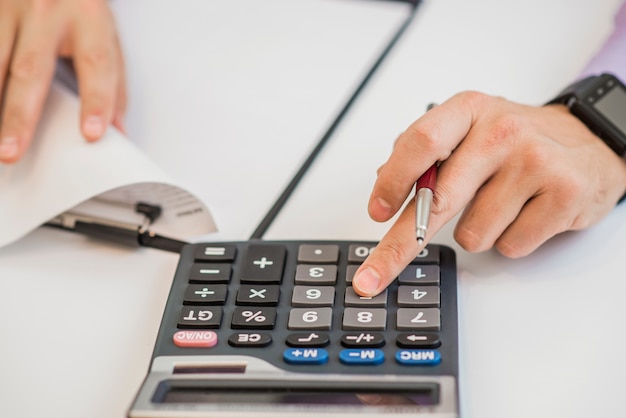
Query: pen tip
{"points": [[420, 240]]}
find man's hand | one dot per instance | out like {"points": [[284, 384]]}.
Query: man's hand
{"points": [[33, 34], [520, 174]]}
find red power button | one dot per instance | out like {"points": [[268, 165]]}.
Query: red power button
{"points": [[198, 338]]}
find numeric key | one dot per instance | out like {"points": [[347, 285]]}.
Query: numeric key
{"points": [[313, 296], [358, 318], [310, 318], [316, 274]]}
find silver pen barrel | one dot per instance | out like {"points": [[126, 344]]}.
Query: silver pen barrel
{"points": [[423, 201]]}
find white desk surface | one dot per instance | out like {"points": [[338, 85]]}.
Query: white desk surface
{"points": [[540, 336]]}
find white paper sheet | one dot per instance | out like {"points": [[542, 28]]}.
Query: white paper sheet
{"points": [[61, 170]]}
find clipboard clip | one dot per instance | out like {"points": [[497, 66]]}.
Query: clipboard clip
{"points": [[121, 233]]}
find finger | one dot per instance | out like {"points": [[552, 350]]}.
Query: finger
{"points": [[8, 30], [535, 225], [394, 251], [8, 146], [96, 62], [454, 190], [399, 246], [429, 139], [495, 206], [30, 73], [121, 97]]}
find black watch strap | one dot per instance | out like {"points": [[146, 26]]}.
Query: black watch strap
{"points": [[586, 99], [580, 88]]}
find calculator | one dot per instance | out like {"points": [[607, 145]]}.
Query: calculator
{"points": [[274, 329]]}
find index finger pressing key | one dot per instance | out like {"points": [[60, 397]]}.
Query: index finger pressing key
{"points": [[392, 254]]}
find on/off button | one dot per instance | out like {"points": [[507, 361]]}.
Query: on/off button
{"points": [[195, 338]]}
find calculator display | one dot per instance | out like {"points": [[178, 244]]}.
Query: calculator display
{"points": [[300, 397]]}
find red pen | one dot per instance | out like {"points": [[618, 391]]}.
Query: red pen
{"points": [[424, 191]]}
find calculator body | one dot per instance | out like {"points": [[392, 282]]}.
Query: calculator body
{"points": [[274, 329]]}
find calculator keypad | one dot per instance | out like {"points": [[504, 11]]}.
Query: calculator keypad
{"points": [[294, 300]]}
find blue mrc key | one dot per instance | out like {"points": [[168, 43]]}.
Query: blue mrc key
{"points": [[305, 356], [362, 356], [418, 357]]}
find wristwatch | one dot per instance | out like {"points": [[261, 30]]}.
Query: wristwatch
{"points": [[599, 101]]}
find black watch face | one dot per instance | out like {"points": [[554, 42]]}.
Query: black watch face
{"points": [[612, 105]]}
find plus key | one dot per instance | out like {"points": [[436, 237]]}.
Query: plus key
{"points": [[264, 263]]}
